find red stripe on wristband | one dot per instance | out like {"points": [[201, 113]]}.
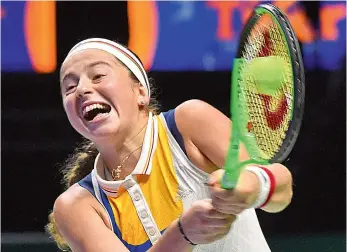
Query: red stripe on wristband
{"points": [[272, 185]]}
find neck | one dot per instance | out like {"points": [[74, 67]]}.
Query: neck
{"points": [[124, 151]]}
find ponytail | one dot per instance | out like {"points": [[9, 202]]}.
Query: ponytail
{"points": [[76, 167]]}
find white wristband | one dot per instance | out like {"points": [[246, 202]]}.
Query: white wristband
{"points": [[265, 185]]}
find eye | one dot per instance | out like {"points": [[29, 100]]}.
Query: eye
{"points": [[97, 77], [70, 82], [69, 89]]}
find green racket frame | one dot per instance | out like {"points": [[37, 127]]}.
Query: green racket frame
{"points": [[233, 166]]}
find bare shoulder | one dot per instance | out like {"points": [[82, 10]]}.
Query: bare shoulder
{"points": [[78, 215], [74, 200], [205, 132], [193, 106], [73, 196], [195, 116]]}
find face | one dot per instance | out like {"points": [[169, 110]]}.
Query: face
{"points": [[99, 96]]}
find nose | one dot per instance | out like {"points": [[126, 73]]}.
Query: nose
{"points": [[84, 87]]}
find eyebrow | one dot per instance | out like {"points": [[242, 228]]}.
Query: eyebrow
{"points": [[100, 62], [71, 74]]}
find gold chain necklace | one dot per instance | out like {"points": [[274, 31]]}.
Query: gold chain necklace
{"points": [[116, 172]]}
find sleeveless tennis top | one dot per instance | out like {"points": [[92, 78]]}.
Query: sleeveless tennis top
{"points": [[162, 186]]}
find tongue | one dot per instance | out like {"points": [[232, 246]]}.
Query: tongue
{"points": [[94, 112], [98, 116]]}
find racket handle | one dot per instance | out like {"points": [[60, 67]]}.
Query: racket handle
{"points": [[229, 180], [231, 175]]}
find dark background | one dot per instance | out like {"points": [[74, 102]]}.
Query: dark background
{"points": [[36, 136]]}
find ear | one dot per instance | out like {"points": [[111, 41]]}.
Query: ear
{"points": [[143, 98]]}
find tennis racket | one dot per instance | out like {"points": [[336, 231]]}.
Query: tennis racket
{"points": [[267, 92]]}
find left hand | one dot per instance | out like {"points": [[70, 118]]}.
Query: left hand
{"points": [[238, 199]]}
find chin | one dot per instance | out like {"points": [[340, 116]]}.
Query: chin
{"points": [[102, 132], [97, 130], [104, 129]]}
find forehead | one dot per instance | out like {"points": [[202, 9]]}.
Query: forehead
{"points": [[86, 57]]}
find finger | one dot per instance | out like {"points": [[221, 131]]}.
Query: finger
{"points": [[215, 177], [203, 206], [214, 214], [214, 222], [230, 210], [206, 209], [226, 196], [218, 192], [218, 203], [212, 231], [217, 233]]}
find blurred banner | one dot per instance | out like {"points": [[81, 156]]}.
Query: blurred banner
{"points": [[28, 36], [203, 35], [173, 36]]}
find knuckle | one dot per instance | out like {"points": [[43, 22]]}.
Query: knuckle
{"points": [[212, 213], [205, 232], [223, 210], [232, 219], [226, 231], [229, 220], [217, 202], [204, 222], [223, 223]]}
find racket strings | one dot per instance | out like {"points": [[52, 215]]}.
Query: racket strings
{"points": [[267, 117]]}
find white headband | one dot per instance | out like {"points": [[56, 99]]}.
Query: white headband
{"points": [[117, 50]]}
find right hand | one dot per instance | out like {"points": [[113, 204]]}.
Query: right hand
{"points": [[202, 223]]}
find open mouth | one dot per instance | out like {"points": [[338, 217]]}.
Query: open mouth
{"points": [[92, 111]]}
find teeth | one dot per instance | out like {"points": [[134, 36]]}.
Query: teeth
{"points": [[91, 107]]}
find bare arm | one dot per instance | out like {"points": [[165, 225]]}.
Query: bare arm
{"points": [[171, 236], [80, 222], [209, 130], [81, 225]]}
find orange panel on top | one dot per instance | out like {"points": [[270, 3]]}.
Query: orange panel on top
{"points": [[40, 35]]}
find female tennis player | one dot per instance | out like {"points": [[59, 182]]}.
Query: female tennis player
{"points": [[150, 181]]}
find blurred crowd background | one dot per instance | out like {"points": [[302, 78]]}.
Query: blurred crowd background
{"points": [[188, 48]]}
